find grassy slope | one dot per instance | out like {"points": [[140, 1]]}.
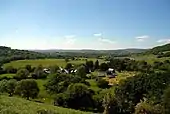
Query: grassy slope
{"points": [[150, 58], [45, 62], [13, 105]]}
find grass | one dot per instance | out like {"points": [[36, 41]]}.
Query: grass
{"points": [[7, 75], [43, 95], [150, 58], [46, 62], [93, 85], [34, 63], [120, 76], [14, 105]]}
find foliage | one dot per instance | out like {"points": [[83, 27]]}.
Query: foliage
{"points": [[166, 101], [77, 96], [81, 72], [134, 89], [101, 83], [10, 69], [54, 69], [158, 49], [27, 88], [69, 66], [104, 67], [58, 83], [3, 86], [39, 73], [145, 107], [96, 64], [99, 97], [10, 86], [89, 65], [29, 68], [110, 104], [22, 74]]}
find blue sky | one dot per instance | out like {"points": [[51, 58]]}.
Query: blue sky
{"points": [[84, 24]]}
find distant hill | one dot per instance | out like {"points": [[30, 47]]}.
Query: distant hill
{"points": [[13, 105], [159, 49], [7, 54], [119, 51]]}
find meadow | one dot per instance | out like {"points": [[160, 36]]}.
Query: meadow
{"points": [[22, 106], [149, 58], [48, 62]]}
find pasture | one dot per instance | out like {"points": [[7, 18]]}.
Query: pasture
{"points": [[22, 106], [48, 62], [150, 58], [7, 75]]}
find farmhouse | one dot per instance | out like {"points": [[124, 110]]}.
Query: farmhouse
{"points": [[111, 73]]}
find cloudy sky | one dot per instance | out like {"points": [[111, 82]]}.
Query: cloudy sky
{"points": [[84, 24]]}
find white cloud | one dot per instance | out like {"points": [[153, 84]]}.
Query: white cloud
{"points": [[142, 38], [70, 40], [70, 36], [104, 40], [97, 34], [164, 41]]}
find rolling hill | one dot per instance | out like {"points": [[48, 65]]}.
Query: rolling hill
{"points": [[159, 49], [22, 106]]}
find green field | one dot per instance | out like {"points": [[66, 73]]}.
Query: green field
{"points": [[7, 75], [150, 58], [13, 105], [43, 95], [46, 62]]}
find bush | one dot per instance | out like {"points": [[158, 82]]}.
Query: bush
{"points": [[145, 107]]}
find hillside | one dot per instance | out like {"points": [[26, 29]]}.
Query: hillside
{"points": [[22, 106], [7, 54], [158, 49]]}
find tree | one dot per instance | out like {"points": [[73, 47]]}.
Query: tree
{"points": [[66, 60], [58, 83], [10, 86], [166, 101], [81, 71], [54, 69], [22, 74], [96, 65], [29, 68], [104, 67], [110, 104], [38, 72], [10, 69], [3, 84], [27, 88], [80, 96], [89, 65], [69, 66], [144, 107], [102, 83]]}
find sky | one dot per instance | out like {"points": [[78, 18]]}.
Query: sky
{"points": [[84, 24]]}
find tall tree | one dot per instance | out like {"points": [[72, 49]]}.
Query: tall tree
{"points": [[81, 71], [27, 88], [96, 65]]}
